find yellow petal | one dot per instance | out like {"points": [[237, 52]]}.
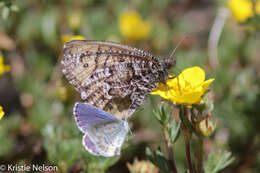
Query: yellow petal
{"points": [[78, 37], [1, 112], [132, 26], [189, 98], [241, 9], [172, 82], [144, 30], [161, 90], [3, 68], [204, 86], [128, 22], [207, 83], [194, 75], [65, 38]]}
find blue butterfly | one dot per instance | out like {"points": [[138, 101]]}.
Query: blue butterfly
{"points": [[103, 133]]}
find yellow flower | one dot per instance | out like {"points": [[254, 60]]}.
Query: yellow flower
{"points": [[187, 88], [205, 127], [3, 68], [2, 113], [66, 38], [243, 9], [133, 27]]}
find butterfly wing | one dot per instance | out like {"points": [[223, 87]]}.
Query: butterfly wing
{"points": [[86, 114], [82, 57], [104, 135], [105, 139], [110, 76]]}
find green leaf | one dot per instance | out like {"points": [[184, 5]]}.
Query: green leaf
{"points": [[158, 160], [2, 4], [5, 12], [14, 8], [162, 114], [217, 161], [49, 26], [174, 131]]}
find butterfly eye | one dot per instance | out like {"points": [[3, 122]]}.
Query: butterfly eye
{"points": [[85, 65]]}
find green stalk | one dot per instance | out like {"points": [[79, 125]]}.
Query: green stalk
{"points": [[170, 150], [188, 155], [187, 131], [200, 155]]}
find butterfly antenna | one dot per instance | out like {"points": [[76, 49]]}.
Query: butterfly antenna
{"points": [[174, 50]]}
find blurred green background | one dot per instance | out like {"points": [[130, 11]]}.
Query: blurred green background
{"points": [[38, 127]]}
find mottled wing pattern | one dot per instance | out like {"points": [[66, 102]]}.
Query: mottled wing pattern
{"points": [[110, 76]]}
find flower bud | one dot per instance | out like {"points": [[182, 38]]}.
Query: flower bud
{"points": [[142, 167], [205, 127]]}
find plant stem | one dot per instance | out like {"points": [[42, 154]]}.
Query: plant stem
{"points": [[187, 136], [171, 159], [188, 157], [200, 155], [242, 50], [171, 153]]}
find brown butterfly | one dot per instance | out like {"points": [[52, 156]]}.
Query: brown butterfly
{"points": [[113, 77]]}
